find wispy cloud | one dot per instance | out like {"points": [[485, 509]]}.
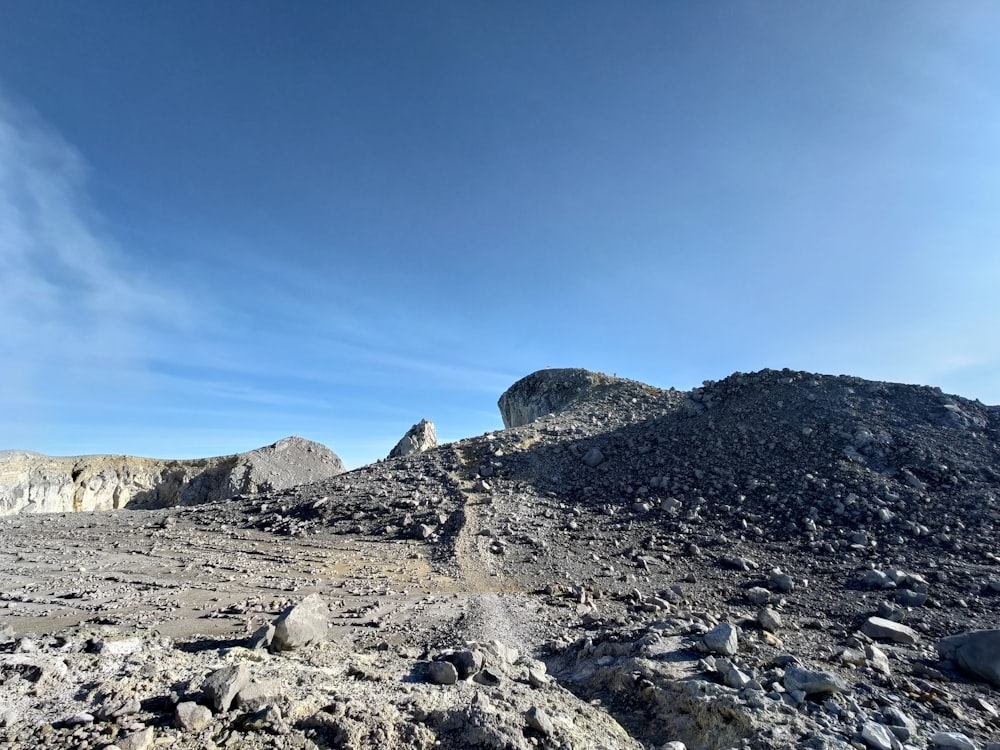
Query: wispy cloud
{"points": [[72, 305]]}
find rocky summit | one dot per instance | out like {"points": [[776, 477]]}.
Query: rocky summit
{"points": [[775, 560], [31, 482]]}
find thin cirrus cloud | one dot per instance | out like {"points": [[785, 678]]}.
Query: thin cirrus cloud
{"points": [[72, 309]]}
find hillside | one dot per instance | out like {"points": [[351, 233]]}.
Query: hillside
{"points": [[774, 560]]}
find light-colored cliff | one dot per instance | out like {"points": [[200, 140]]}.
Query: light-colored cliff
{"points": [[32, 482]]}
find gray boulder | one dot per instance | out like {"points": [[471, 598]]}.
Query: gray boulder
{"points": [[222, 685], [812, 682], [301, 624], [722, 639], [419, 438], [977, 653], [882, 629]]}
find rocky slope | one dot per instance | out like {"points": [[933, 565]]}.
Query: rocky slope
{"points": [[32, 482], [776, 560]]}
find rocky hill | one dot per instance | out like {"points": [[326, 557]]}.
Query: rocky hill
{"points": [[776, 560], [32, 482]]}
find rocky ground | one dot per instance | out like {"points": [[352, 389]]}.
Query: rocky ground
{"points": [[771, 561]]}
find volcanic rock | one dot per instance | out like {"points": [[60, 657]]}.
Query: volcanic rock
{"points": [[419, 438]]}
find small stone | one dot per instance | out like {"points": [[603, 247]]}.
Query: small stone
{"points": [[539, 721], [537, 679], [257, 695], [877, 659], [593, 457], [759, 595], [977, 653], [124, 647], [141, 740], [782, 581], [881, 629], [722, 639], [769, 620], [192, 717]]}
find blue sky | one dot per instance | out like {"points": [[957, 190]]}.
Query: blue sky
{"points": [[224, 223]]}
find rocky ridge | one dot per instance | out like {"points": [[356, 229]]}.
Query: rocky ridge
{"points": [[776, 560], [32, 482]]}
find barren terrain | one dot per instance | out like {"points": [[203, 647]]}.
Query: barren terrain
{"points": [[769, 561]]}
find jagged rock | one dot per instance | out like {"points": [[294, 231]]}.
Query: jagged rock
{"points": [[222, 686], [877, 736], [977, 653], [301, 624], [722, 639], [419, 438], [32, 482]]}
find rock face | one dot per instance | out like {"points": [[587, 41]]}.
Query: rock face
{"points": [[419, 438], [32, 482], [976, 653], [545, 392]]}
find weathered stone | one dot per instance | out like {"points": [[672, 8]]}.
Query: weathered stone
{"points": [[442, 673], [882, 629], [256, 694], [953, 739], [192, 717], [301, 624], [141, 740], [769, 620], [722, 639], [222, 685], [977, 653], [593, 457], [539, 721], [877, 736], [544, 392], [419, 438], [812, 682]]}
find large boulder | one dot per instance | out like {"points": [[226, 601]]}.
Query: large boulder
{"points": [[977, 653], [545, 392], [419, 438], [33, 482]]}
